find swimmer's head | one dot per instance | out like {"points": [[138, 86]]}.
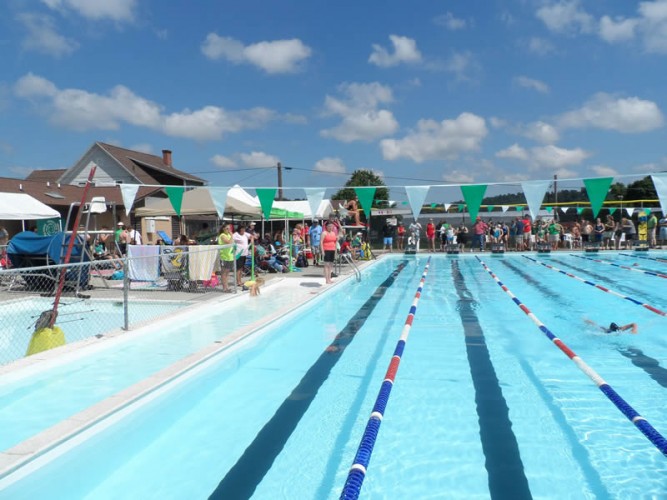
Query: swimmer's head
{"points": [[613, 327]]}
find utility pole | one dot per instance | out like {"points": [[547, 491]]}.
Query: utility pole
{"points": [[556, 197], [280, 182]]}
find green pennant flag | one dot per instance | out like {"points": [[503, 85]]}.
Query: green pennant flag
{"points": [[647, 211], [579, 210], [519, 208], [365, 195], [404, 203], [266, 196], [597, 191], [175, 195], [612, 210], [461, 207], [473, 196], [489, 208], [433, 205], [548, 209]]}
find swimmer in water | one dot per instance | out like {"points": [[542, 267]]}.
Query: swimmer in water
{"points": [[613, 327]]}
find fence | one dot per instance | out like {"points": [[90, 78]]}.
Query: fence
{"points": [[103, 296]]}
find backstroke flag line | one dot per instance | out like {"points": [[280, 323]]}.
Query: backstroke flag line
{"points": [[315, 197], [129, 193], [660, 183], [597, 191], [534, 192], [473, 196], [416, 197], [219, 198], [175, 195]]}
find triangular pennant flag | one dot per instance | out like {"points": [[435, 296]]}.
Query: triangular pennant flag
{"points": [[548, 209], [612, 210], [647, 211], [579, 210], [534, 192], [597, 191], [489, 208], [342, 211], [266, 196], [315, 197], [433, 205], [504, 208], [219, 198], [630, 211], [366, 195], [404, 203], [564, 209], [175, 195], [461, 207], [519, 208], [447, 205], [129, 193], [416, 196], [660, 183], [473, 196]]}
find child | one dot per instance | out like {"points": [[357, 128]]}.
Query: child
{"points": [[253, 286]]}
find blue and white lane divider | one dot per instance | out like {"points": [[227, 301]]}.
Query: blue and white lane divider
{"points": [[640, 422], [599, 287], [628, 268], [355, 477], [656, 259]]}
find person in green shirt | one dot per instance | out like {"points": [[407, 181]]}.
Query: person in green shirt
{"points": [[226, 255], [652, 226]]}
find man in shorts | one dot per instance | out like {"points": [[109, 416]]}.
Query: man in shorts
{"points": [[241, 241], [226, 256], [388, 236], [315, 234]]}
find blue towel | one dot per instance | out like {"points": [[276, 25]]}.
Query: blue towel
{"points": [[164, 237]]}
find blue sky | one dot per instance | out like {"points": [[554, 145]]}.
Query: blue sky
{"points": [[421, 92]]}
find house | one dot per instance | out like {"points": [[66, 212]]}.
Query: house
{"points": [[59, 188]]}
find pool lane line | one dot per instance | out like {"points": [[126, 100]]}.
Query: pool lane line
{"points": [[599, 287], [648, 364], [656, 259], [242, 479], [657, 439], [357, 473], [628, 268], [504, 467]]}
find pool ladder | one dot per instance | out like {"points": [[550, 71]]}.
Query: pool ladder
{"points": [[348, 259]]}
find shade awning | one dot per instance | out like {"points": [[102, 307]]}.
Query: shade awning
{"points": [[22, 206]]}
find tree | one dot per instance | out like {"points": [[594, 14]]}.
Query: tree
{"points": [[360, 178], [641, 190]]}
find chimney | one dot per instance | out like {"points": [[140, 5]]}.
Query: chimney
{"points": [[166, 157]]}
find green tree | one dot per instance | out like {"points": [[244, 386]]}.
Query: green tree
{"points": [[641, 190], [360, 178]]}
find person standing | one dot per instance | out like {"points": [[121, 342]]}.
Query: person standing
{"points": [[388, 236], [608, 235], [118, 239], [430, 235], [328, 248], [226, 255], [400, 236], [241, 241], [315, 234], [652, 225], [662, 227], [479, 233]]}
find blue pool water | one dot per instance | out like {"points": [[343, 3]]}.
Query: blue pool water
{"points": [[483, 405]]}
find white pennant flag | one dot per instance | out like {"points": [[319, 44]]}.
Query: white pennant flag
{"points": [[564, 209], [416, 197], [315, 197], [534, 192], [504, 208], [630, 211], [660, 183], [219, 199], [129, 193], [447, 205]]}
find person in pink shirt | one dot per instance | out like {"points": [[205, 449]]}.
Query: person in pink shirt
{"points": [[430, 235], [479, 229], [328, 247]]}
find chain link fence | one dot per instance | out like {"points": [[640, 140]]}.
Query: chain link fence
{"points": [[103, 296]]}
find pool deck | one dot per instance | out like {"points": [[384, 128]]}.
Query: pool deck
{"points": [[30, 453]]}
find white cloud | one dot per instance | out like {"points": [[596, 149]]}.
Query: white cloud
{"points": [[541, 132], [258, 159], [463, 65], [654, 25], [451, 22], [567, 17], [223, 162], [42, 36], [457, 177], [143, 147], [279, 56], [604, 171], [549, 156], [531, 83], [438, 140], [514, 152], [405, 51], [496, 122], [540, 46], [604, 111], [82, 110], [330, 165], [116, 10], [21, 172], [617, 30], [361, 120]]}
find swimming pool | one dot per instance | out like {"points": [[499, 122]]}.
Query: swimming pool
{"points": [[483, 404], [83, 317]]}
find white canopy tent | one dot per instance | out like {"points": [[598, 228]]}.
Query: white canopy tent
{"points": [[303, 207], [198, 201], [22, 206]]}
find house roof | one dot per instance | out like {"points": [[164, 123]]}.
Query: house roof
{"points": [[51, 175], [65, 194], [146, 167]]}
